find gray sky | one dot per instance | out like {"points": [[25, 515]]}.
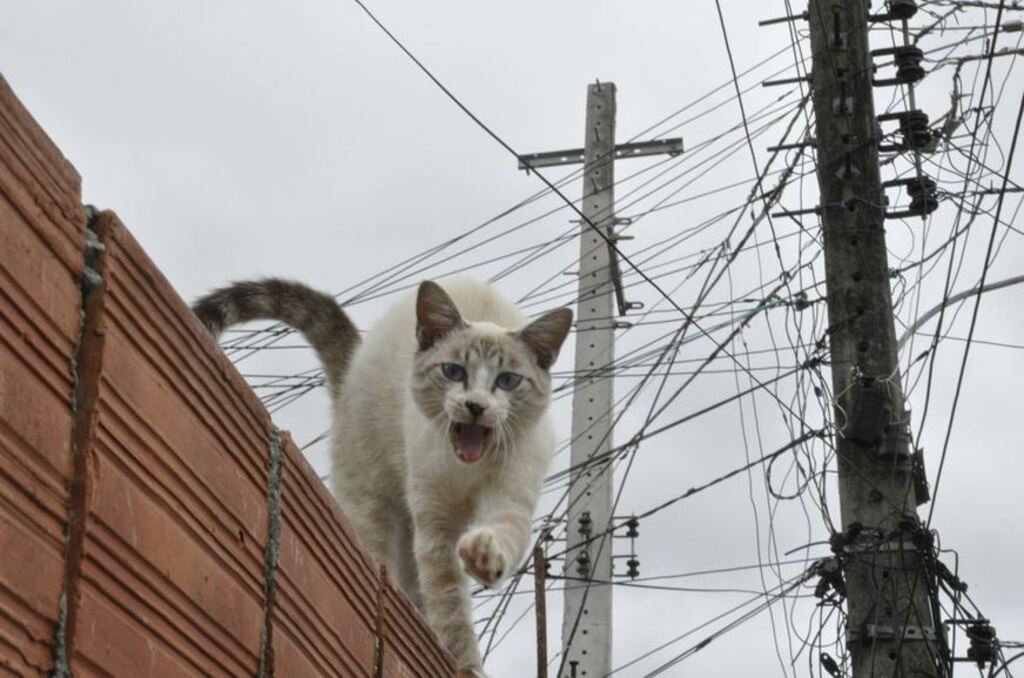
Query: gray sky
{"points": [[238, 139]]}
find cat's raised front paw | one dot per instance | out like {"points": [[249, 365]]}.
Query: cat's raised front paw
{"points": [[482, 556]]}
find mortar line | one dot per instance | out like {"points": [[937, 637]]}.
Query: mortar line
{"points": [[275, 473], [86, 367], [378, 640]]}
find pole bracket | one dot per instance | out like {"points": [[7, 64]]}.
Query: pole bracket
{"points": [[785, 81], [922, 492], [872, 632], [796, 213], [803, 16], [810, 141]]}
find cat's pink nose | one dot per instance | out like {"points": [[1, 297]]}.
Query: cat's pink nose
{"points": [[475, 409]]}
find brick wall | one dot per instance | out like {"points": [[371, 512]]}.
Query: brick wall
{"points": [[153, 522]]}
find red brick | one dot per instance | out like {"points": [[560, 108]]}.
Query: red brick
{"points": [[42, 227], [159, 578], [31, 577], [410, 646], [39, 182], [176, 532], [325, 608], [122, 644]]}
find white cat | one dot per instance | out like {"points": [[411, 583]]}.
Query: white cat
{"points": [[440, 438]]}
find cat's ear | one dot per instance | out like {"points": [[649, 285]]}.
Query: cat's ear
{"points": [[436, 314], [545, 335]]}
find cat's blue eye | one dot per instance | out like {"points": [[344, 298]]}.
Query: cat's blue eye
{"points": [[507, 381], [453, 371]]}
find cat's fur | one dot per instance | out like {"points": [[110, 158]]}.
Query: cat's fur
{"points": [[428, 493]]}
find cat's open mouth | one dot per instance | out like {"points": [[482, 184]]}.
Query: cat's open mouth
{"points": [[470, 441]]}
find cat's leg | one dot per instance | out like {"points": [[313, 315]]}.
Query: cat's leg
{"points": [[405, 561], [361, 493], [500, 534], [372, 519], [445, 588], [374, 532]]}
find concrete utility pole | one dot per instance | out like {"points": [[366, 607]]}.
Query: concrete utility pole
{"points": [[890, 628], [586, 626], [587, 621]]}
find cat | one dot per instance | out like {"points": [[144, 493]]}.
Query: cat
{"points": [[440, 432]]}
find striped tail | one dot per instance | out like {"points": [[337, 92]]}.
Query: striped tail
{"points": [[316, 315]]}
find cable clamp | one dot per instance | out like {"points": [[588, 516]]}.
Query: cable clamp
{"points": [[860, 539], [898, 545], [830, 575]]}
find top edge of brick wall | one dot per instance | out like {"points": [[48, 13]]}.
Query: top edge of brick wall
{"points": [[38, 138], [54, 183], [196, 342]]}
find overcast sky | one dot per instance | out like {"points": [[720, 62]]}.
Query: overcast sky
{"points": [[240, 139]]}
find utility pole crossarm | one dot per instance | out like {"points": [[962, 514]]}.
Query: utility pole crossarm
{"points": [[671, 147], [574, 156]]}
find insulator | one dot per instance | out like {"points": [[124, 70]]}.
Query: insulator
{"points": [[914, 131], [984, 644], [896, 10], [632, 526], [908, 64], [585, 523], [583, 564], [922, 196], [913, 127], [901, 9], [633, 567]]}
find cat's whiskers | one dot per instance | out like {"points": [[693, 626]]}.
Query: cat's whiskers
{"points": [[444, 423], [513, 421], [500, 442], [505, 437]]}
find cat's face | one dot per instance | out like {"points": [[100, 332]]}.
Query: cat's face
{"points": [[482, 383]]}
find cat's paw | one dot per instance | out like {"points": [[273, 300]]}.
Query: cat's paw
{"points": [[482, 556]]}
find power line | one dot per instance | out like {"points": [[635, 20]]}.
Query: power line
{"points": [[977, 301]]}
